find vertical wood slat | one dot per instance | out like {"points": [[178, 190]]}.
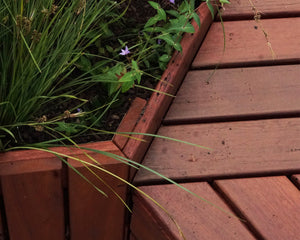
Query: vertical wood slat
{"points": [[33, 195], [2, 234], [92, 215], [271, 204]]}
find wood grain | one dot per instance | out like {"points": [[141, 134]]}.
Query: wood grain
{"points": [[195, 217], [170, 81], [237, 93], [2, 231], [242, 9], [145, 224], [246, 44], [237, 149], [271, 204], [92, 215], [129, 121], [34, 205]]}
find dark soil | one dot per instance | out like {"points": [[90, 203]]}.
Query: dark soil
{"points": [[139, 12]]}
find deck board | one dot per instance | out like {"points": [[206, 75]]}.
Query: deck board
{"points": [[246, 44], [270, 204], [242, 9], [195, 217], [238, 149], [237, 93]]}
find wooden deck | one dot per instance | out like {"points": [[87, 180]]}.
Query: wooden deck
{"points": [[244, 104]]}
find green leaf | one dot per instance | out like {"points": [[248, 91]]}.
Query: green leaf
{"points": [[211, 8], [153, 29], [152, 21], [161, 14], [196, 19], [66, 127], [126, 86], [179, 28], [109, 49], [127, 77], [173, 13], [180, 24], [178, 47], [224, 2], [155, 5], [167, 38], [134, 65], [84, 64], [164, 58]]}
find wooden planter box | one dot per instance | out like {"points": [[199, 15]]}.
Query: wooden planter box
{"points": [[41, 198], [44, 199]]}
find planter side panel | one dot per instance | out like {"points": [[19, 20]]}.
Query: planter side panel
{"points": [[34, 205], [92, 215], [129, 121], [2, 231]]}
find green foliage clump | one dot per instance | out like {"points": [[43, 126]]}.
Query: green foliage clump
{"points": [[52, 51]]}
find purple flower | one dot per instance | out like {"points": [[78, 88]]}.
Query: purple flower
{"points": [[124, 51], [172, 1], [159, 41]]}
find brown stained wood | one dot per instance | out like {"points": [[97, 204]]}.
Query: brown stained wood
{"points": [[246, 44], [243, 9], [132, 237], [271, 204], [34, 205], [27, 161], [92, 215], [145, 225], [238, 92], [2, 234], [296, 180], [237, 149], [170, 81], [129, 121], [196, 218]]}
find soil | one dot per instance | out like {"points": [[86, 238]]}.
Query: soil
{"points": [[139, 12]]}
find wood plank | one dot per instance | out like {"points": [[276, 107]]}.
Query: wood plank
{"points": [[34, 205], [242, 9], [129, 121], [270, 204], [2, 231], [170, 81], [145, 225], [237, 93], [93, 215], [132, 237], [238, 149], [246, 44], [194, 216], [296, 180], [28, 161]]}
